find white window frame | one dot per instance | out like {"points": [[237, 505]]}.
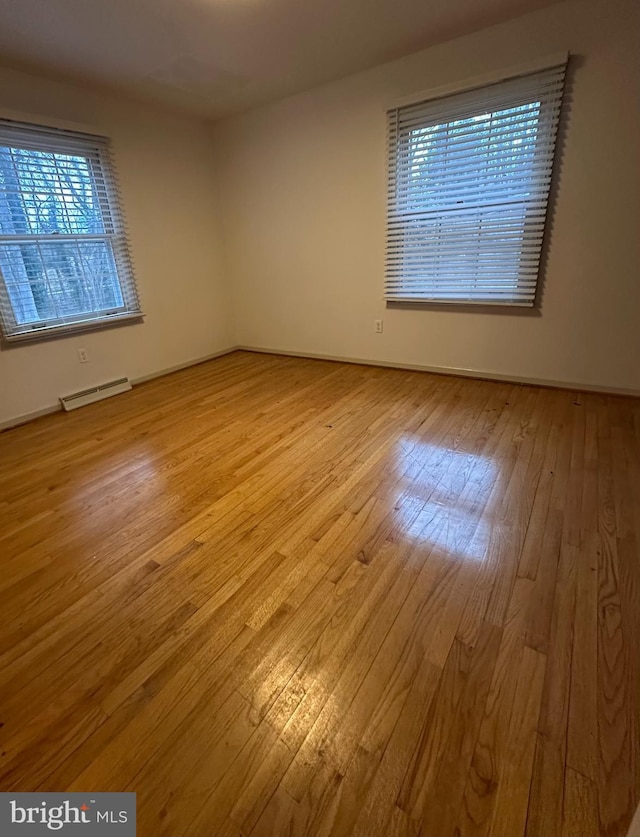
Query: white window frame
{"points": [[416, 273], [96, 149]]}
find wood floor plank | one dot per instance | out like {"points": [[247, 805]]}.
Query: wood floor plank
{"points": [[581, 805], [491, 747], [509, 814], [433, 788], [281, 596], [582, 734], [546, 800], [617, 707]]}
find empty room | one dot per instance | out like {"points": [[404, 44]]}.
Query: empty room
{"points": [[320, 418]]}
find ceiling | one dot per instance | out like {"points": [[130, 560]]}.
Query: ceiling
{"points": [[215, 57]]}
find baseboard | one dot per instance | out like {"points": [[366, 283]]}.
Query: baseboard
{"points": [[144, 378], [56, 408], [25, 418], [452, 370]]}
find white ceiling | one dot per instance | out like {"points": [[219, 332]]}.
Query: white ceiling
{"points": [[215, 57]]}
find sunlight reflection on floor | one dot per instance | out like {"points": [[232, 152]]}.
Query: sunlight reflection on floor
{"points": [[450, 487]]}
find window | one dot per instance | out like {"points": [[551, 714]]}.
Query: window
{"points": [[64, 257], [469, 178]]}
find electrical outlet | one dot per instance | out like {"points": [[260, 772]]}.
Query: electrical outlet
{"points": [[378, 326], [83, 355]]}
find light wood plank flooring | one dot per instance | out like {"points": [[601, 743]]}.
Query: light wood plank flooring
{"points": [[278, 596]]}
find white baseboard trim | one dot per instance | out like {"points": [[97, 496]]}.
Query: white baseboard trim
{"points": [[160, 373], [56, 408], [25, 418], [452, 370]]}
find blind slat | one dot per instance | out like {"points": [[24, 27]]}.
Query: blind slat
{"points": [[64, 251], [468, 186]]}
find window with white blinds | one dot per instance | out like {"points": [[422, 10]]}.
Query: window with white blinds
{"points": [[64, 256], [469, 178]]}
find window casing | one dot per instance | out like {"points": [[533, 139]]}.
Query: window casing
{"points": [[64, 255], [469, 179]]}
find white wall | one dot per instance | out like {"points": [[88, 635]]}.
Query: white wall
{"points": [[168, 191], [302, 183]]}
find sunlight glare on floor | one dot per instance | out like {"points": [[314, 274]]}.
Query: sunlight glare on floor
{"points": [[437, 497]]}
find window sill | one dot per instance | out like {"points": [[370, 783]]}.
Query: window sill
{"points": [[68, 329]]}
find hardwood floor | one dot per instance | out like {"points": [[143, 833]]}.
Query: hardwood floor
{"points": [[277, 596]]}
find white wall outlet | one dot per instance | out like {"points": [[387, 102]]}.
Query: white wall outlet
{"points": [[83, 355], [378, 326]]}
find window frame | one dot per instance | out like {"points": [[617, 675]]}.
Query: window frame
{"points": [[397, 229], [96, 150]]}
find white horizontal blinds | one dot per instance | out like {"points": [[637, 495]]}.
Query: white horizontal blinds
{"points": [[64, 254], [469, 178]]}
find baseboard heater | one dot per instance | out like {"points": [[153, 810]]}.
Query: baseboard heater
{"points": [[88, 396]]}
